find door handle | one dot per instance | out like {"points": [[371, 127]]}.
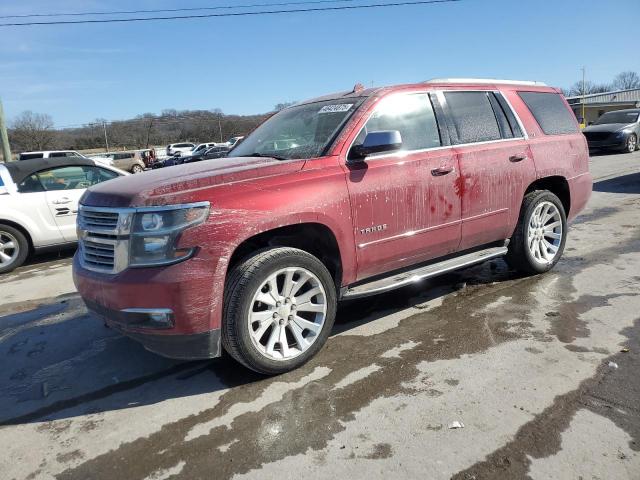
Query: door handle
{"points": [[517, 158], [440, 171], [62, 200]]}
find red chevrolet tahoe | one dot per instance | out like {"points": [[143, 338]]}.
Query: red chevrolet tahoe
{"points": [[339, 197]]}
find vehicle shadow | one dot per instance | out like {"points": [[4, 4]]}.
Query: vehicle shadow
{"points": [[624, 184], [62, 254], [60, 362]]}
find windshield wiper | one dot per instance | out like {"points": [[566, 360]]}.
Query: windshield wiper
{"points": [[263, 155]]}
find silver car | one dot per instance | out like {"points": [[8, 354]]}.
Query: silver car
{"points": [[617, 130]]}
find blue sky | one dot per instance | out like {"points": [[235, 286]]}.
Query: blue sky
{"points": [[248, 64]]}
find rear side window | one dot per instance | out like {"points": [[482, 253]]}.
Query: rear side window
{"points": [[411, 114], [550, 112], [472, 117], [29, 156]]}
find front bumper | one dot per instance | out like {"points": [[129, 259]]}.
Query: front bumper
{"points": [[173, 310], [609, 143], [196, 346]]}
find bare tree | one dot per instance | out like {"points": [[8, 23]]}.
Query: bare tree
{"points": [[283, 105], [589, 88], [626, 81], [32, 131]]}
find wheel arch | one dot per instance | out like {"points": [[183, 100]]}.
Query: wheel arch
{"points": [[22, 229], [556, 184], [312, 237]]}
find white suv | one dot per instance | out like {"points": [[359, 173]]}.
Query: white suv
{"points": [[39, 204], [180, 149], [49, 154]]}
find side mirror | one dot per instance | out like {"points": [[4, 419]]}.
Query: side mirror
{"points": [[590, 123], [377, 142]]}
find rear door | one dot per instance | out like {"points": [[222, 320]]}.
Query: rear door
{"points": [[495, 162], [404, 205]]}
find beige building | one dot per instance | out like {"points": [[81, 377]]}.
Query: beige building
{"points": [[598, 103]]}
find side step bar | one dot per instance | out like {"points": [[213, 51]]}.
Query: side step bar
{"points": [[421, 273]]}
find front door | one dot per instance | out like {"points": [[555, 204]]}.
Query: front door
{"points": [[404, 205], [63, 188]]}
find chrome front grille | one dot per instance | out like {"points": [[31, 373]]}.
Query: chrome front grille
{"points": [[99, 220], [103, 237], [99, 255]]}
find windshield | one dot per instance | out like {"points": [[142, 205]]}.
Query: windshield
{"points": [[618, 117], [300, 132]]}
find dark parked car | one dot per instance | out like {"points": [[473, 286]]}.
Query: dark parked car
{"points": [[618, 130], [211, 153]]}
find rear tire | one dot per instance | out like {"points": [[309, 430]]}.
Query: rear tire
{"points": [[279, 308], [14, 248], [540, 235], [137, 169]]}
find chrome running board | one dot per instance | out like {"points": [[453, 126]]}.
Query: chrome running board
{"points": [[421, 273]]}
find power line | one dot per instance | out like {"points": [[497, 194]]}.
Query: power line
{"points": [[234, 14], [171, 10]]}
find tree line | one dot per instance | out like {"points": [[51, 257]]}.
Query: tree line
{"points": [[35, 131], [622, 81]]}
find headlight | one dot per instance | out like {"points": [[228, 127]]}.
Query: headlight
{"points": [[155, 234], [621, 134]]}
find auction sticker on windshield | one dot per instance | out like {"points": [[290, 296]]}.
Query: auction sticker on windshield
{"points": [[341, 107]]}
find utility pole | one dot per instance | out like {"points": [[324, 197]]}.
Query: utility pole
{"points": [[220, 126], [4, 138], [584, 74], [106, 140]]}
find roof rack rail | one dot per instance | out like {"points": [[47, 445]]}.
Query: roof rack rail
{"points": [[487, 81]]}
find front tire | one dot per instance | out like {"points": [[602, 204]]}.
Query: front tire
{"points": [[540, 235], [14, 248], [632, 143], [279, 308]]}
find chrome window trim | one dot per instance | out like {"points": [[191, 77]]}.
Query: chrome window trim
{"points": [[525, 135], [440, 94]]}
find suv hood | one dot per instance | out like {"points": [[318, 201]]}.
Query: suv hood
{"points": [[171, 185], [608, 127]]}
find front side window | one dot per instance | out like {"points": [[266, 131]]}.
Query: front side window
{"points": [[65, 178], [299, 132], [472, 117], [550, 112], [410, 114]]}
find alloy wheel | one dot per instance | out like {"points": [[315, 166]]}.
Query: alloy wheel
{"points": [[632, 143], [287, 313], [544, 233], [9, 249]]}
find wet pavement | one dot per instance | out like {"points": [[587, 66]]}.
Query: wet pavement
{"points": [[541, 372]]}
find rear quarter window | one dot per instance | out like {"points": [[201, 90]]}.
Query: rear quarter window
{"points": [[550, 112]]}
